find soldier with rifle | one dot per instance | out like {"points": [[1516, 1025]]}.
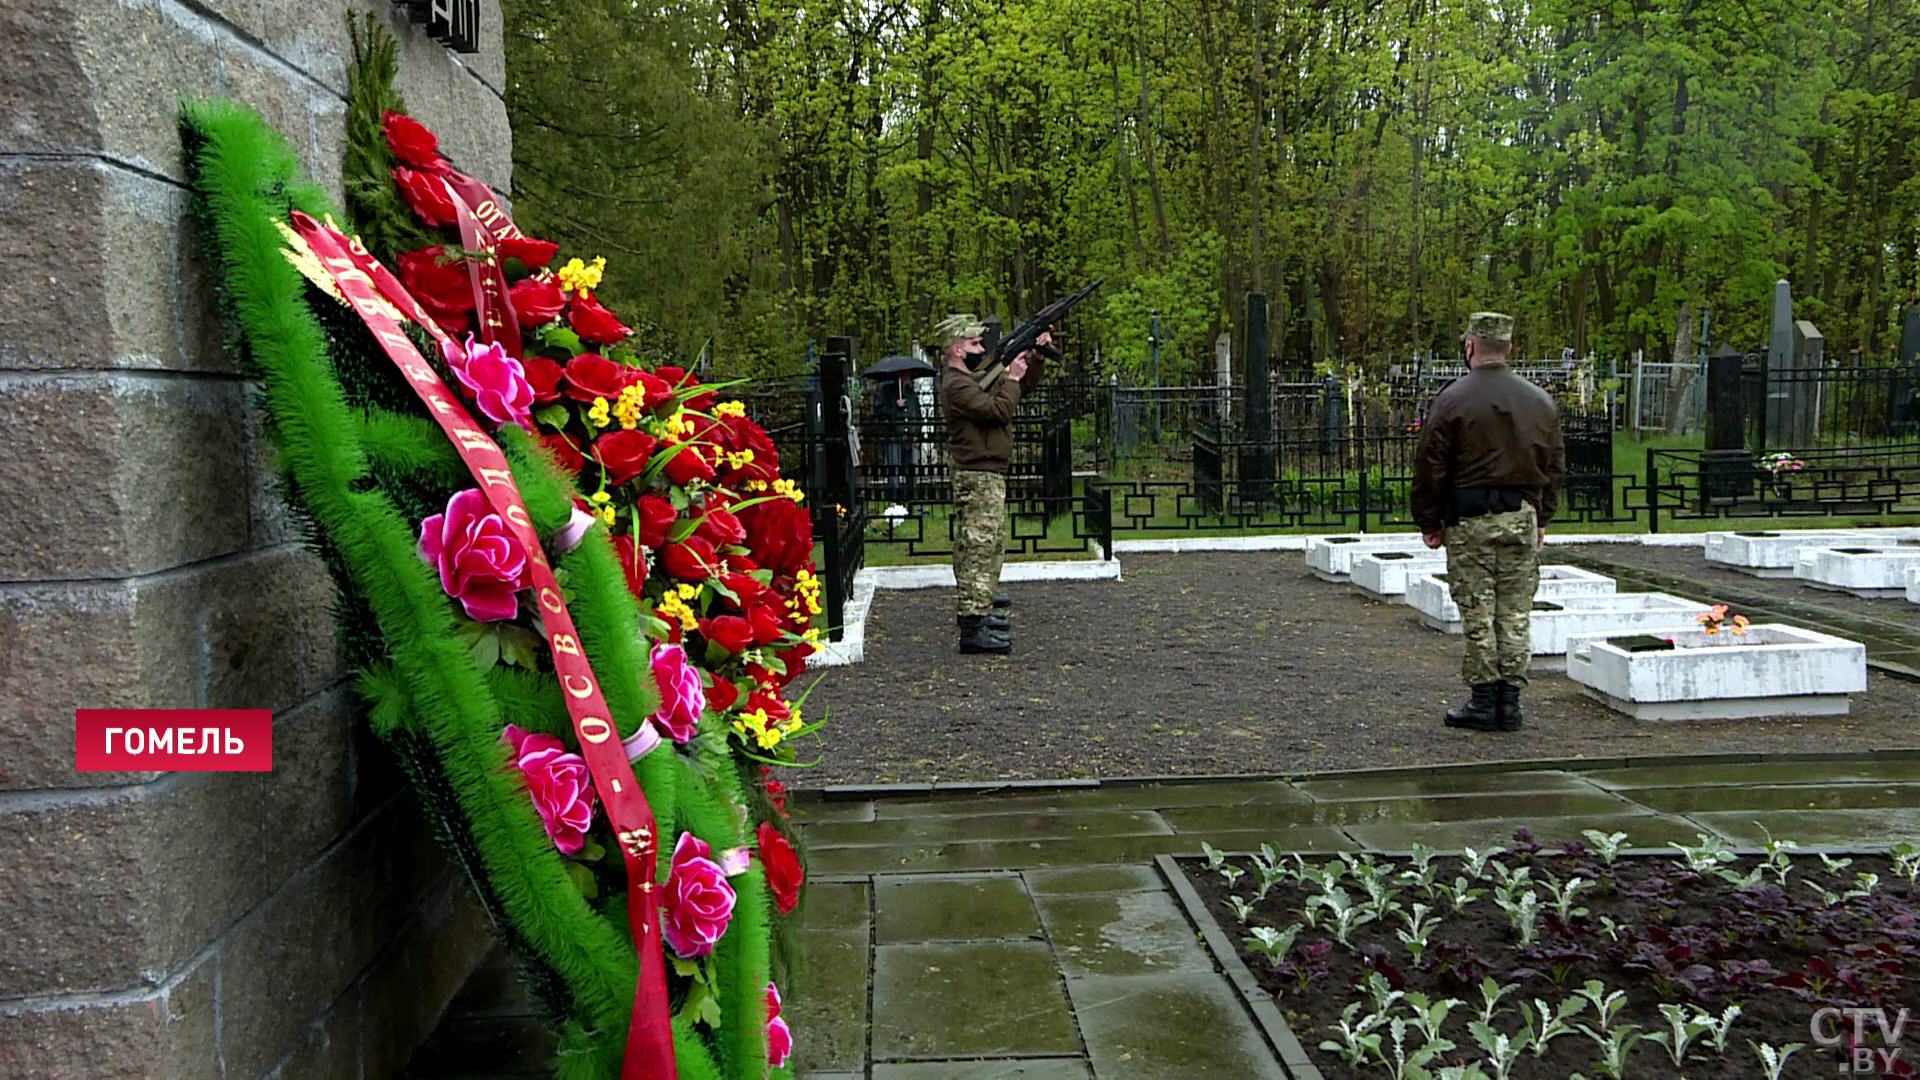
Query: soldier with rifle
{"points": [[980, 390]]}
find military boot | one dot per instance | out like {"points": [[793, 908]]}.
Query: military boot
{"points": [[997, 622], [1480, 714], [976, 638], [1509, 707], [1002, 600]]}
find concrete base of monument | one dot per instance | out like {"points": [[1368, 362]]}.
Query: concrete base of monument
{"points": [[1876, 572], [1772, 553], [1428, 593], [1384, 575], [1330, 558], [1773, 670], [1555, 622], [1913, 585]]}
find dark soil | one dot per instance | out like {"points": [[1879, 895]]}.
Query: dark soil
{"points": [[1223, 663], [1682, 938]]}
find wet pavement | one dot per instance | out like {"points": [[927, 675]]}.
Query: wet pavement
{"points": [[1024, 933]]}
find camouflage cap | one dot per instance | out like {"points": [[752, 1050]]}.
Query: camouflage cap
{"points": [[1490, 326], [958, 327]]}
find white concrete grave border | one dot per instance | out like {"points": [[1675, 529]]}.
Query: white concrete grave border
{"points": [[1773, 670], [1873, 571], [1384, 575], [1431, 597], [1773, 553]]}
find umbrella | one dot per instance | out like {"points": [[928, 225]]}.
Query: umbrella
{"points": [[900, 365]]}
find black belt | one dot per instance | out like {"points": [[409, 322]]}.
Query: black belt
{"points": [[1479, 502]]}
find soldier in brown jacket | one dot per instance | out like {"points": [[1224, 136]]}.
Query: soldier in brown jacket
{"points": [[979, 399], [1486, 480]]}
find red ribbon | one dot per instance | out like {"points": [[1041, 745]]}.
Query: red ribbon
{"points": [[363, 281], [482, 226]]}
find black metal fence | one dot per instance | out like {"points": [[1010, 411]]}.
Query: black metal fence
{"points": [[1093, 458]]}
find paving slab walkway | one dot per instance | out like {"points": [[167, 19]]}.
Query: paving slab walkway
{"points": [[1024, 932]]}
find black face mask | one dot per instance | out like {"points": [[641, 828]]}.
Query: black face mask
{"points": [[973, 360]]}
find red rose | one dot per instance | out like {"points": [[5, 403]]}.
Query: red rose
{"points": [[744, 587], [730, 632], [536, 301], [740, 564], [623, 454], [590, 375], [443, 288], [533, 254], [632, 563], [410, 143], [654, 388], [692, 559], [655, 515], [595, 324], [777, 794], [563, 452], [544, 376], [777, 711], [784, 876], [795, 660], [721, 527], [428, 195], [779, 535], [722, 694], [688, 465], [765, 622]]}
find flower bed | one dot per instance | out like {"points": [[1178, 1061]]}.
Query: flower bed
{"points": [[1545, 963], [1768, 670]]}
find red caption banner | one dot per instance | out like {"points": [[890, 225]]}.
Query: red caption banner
{"points": [[173, 740]]}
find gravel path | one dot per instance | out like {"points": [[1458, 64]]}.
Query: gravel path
{"points": [[1224, 663]]}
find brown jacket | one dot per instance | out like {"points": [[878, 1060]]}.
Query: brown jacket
{"points": [[1488, 429], [979, 422]]}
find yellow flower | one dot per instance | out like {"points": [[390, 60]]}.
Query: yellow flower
{"points": [[730, 408], [687, 590], [812, 636], [598, 415], [578, 277], [628, 408], [673, 607], [788, 488], [756, 485]]}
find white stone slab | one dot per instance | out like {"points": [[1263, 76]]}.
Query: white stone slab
{"points": [[1384, 574], [1621, 613], [1428, 595], [1770, 553], [1774, 670], [1878, 570], [1331, 557], [1913, 586]]}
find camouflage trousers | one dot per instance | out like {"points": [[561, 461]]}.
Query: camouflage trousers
{"points": [[1493, 571], [979, 537]]}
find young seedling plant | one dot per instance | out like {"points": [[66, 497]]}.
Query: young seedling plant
{"points": [[1501, 1049], [1419, 929], [1490, 994], [1273, 944], [1774, 1061], [1683, 1026], [1606, 845], [1552, 1021]]}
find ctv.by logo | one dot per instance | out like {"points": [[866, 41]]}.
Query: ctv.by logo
{"points": [[1857, 1058]]}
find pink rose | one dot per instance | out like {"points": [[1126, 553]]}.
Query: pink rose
{"points": [[497, 381], [779, 1036], [698, 901], [559, 783], [481, 563], [682, 698]]}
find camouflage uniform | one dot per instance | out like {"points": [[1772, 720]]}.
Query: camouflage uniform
{"points": [[979, 537], [1493, 571]]}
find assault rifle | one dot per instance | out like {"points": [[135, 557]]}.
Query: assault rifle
{"points": [[1028, 335]]}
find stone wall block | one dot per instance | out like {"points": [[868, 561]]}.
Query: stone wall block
{"points": [[296, 955], [268, 629], [307, 800], [107, 271], [139, 60], [49, 241], [408, 991], [489, 65], [478, 112], [71, 646], [40, 106], [330, 1047], [119, 474], [425, 78], [167, 1033]]}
